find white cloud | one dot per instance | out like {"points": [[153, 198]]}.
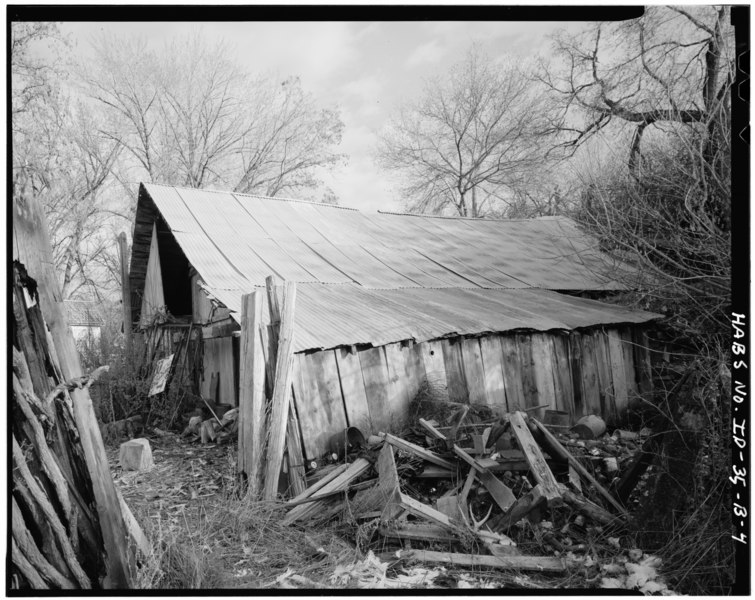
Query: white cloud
{"points": [[428, 53]]}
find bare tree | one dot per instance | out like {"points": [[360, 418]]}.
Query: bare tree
{"points": [[469, 141], [189, 115]]}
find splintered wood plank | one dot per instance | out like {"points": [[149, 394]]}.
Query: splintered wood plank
{"points": [[252, 427], [388, 484], [542, 363], [427, 512], [492, 363], [557, 448], [518, 563], [605, 381], [629, 369], [512, 369], [527, 371], [575, 364], [473, 371], [352, 388], [431, 353], [355, 469], [281, 395], [562, 379], [500, 492], [457, 385], [423, 453], [618, 373], [319, 402], [375, 376], [590, 389], [642, 363], [533, 455]]}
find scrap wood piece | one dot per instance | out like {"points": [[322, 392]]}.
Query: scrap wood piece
{"points": [[426, 532], [433, 472], [566, 455], [540, 470], [362, 485], [521, 508], [423, 453], [521, 563], [383, 497], [589, 509], [321, 483], [355, 469], [500, 492], [434, 433], [458, 420], [281, 399]]}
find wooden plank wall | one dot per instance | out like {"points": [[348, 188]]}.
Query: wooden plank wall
{"points": [[595, 371], [218, 358]]}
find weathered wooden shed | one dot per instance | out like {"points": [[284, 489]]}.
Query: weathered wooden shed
{"points": [[388, 301]]}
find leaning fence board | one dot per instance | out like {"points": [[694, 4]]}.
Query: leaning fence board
{"points": [[281, 394], [321, 412], [452, 358], [352, 389], [590, 384], [519, 563], [492, 364], [375, 376], [512, 380], [474, 374], [252, 425], [618, 374], [538, 467], [355, 469], [542, 367], [527, 370], [605, 381]]}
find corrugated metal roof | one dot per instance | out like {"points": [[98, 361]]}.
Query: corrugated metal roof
{"points": [[376, 278], [240, 239], [328, 316]]}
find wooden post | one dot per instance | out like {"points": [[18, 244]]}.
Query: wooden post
{"points": [[31, 246], [251, 393], [296, 477], [281, 394], [125, 292]]}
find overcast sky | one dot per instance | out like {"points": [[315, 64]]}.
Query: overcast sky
{"points": [[365, 68]]}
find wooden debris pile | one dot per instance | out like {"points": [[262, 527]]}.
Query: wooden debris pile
{"points": [[470, 495]]}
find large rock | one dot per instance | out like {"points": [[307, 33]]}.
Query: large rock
{"points": [[136, 455]]}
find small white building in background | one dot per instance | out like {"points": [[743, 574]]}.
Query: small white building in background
{"points": [[85, 319]]}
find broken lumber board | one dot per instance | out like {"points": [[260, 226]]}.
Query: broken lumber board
{"points": [[321, 482], [281, 395], [251, 393], [521, 508], [435, 472], [520, 563], [389, 486], [540, 470], [434, 433], [424, 454], [589, 509], [426, 532], [500, 492], [557, 447], [354, 470], [362, 485]]}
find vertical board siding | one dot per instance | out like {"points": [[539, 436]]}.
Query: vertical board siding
{"points": [[218, 358], [352, 389], [318, 399], [512, 379], [642, 363], [375, 376], [492, 365], [457, 384], [153, 299], [399, 387], [562, 380], [543, 367], [627, 347], [474, 374], [605, 381], [618, 373], [526, 370], [575, 362], [590, 383], [431, 354]]}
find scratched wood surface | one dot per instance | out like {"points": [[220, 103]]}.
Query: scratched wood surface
{"points": [[512, 380], [375, 375], [492, 364], [618, 373], [542, 371], [457, 384], [605, 381], [474, 374], [562, 374], [590, 389], [352, 387]]}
